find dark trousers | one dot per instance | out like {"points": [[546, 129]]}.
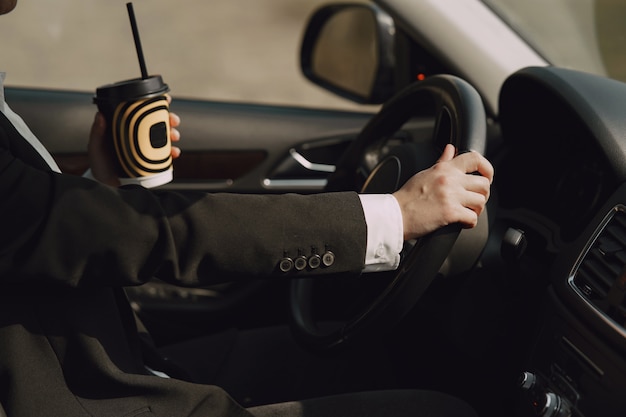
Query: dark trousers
{"points": [[266, 371]]}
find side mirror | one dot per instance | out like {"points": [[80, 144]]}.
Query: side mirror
{"points": [[349, 49]]}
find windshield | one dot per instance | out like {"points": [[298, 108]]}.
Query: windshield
{"points": [[588, 35]]}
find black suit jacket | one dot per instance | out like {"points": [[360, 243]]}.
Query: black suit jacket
{"points": [[68, 245]]}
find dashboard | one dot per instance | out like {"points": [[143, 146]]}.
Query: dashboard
{"points": [[560, 174], [554, 166]]}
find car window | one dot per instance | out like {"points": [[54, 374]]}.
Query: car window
{"points": [[220, 49]]}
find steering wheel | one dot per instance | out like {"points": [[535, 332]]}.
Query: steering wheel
{"points": [[459, 119]]}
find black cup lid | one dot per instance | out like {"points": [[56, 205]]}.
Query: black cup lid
{"points": [[132, 89]]}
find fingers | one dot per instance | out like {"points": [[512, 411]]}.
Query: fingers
{"points": [[462, 194], [475, 189], [471, 162], [463, 198], [458, 206], [174, 133], [174, 120], [174, 123], [473, 205], [468, 162]]}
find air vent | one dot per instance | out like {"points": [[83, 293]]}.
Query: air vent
{"points": [[600, 278]]}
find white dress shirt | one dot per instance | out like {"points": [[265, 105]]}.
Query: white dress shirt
{"points": [[21, 127], [382, 211], [384, 232]]}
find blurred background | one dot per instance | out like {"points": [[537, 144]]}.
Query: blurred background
{"points": [[234, 50]]}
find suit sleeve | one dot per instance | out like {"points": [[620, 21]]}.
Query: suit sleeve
{"points": [[64, 230]]}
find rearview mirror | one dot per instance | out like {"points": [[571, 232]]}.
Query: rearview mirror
{"points": [[348, 49]]}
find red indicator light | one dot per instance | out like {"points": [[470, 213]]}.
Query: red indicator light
{"points": [[421, 76]]}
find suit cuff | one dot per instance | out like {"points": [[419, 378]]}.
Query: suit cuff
{"points": [[384, 232]]}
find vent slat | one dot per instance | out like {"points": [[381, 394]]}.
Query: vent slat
{"points": [[620, 220], [596, 290], [603, 269], [621, 257], [618, 235], [604, 263]]}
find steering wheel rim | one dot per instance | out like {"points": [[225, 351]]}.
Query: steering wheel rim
{"points": [[461, 120]]}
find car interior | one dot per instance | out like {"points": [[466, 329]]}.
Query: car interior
{"points": [[525, 315]]}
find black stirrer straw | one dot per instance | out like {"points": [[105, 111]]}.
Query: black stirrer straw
{"points": [[133, 24]]}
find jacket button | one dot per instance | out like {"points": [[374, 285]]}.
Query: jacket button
{"points": [[328, 258], [300, 263], [286, 264], [315, 261]]}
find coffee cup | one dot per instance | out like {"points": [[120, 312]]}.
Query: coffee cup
{"points": [[138, 124]]}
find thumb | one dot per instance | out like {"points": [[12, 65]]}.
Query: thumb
{"points": [[97, 133], [100, 158], [448, 153]]}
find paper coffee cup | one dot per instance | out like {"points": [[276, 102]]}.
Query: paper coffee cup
{"points": [[138, 123]]}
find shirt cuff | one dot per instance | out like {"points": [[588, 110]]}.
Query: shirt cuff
{"points": [[384, 232]]}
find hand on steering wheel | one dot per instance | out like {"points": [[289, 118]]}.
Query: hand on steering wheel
{"points": [[445, 194]]}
